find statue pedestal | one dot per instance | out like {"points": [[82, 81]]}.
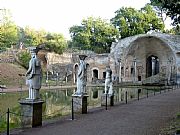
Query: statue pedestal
{"points": [[31, 112], [109, 98], [80, 103]]}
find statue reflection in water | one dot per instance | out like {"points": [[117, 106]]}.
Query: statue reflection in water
{"points": [[108, 81]]}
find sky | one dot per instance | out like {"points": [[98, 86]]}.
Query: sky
{"points": [[59, 15]]}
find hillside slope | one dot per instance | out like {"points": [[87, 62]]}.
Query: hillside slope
{"points": [[10, 75]]}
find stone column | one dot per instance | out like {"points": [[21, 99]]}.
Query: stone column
{"points": [[170, 61], [120, 78], [153, 65], [31, 113], [135, 70], [80, 103]]}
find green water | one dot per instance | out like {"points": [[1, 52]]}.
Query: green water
{"points": [[58, 102]]}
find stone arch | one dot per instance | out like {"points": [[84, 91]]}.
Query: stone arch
{"points": [[146, 47]]}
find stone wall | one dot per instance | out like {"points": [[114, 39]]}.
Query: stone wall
{"points": [[163, 46], [53, 58]]}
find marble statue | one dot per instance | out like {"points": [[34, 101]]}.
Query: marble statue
{"points": [[34, 74], [108, 81], [81, 76]]}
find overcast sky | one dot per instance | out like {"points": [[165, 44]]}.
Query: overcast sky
{"points": [[60, 15]]}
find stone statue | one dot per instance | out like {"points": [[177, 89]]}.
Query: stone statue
{"points": [[81, 76], [34, 74], [108, 81]]}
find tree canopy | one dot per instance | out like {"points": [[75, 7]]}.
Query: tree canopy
{"points": [[130, 21], [170, 7], [8, 30], [94, 34], [11, 34], [55, 42]]}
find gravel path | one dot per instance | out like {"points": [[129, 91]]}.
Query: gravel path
{"points": [[144, 117]]}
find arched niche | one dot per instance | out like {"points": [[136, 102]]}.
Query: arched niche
{"points": [[151, 53]]}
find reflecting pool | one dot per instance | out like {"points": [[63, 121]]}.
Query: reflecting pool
{"points": [[58, 101]]}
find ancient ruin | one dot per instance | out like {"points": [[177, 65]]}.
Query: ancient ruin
{"points": [[142, 59]]}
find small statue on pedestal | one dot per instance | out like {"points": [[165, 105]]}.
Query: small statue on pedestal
{"points": [[108, 81], [81, 76], [34, 75]]}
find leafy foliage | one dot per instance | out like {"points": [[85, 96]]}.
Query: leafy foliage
{"points": [[170, 7], [93, 34], [24, 58], [8, 31], [131, 22], [55, 42], [29, 36], [175, 30], [10, 34]]}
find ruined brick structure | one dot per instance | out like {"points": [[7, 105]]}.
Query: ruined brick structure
{"points": [[145, 58]]}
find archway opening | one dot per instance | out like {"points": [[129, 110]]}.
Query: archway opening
{"points": [[95, 74], [152, 65]]}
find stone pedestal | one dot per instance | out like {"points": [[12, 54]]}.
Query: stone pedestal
{"points": [[31, 111], [80, 103], [110, 100]]}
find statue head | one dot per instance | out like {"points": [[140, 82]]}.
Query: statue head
{"points": [[33, 50], [82, 57]]}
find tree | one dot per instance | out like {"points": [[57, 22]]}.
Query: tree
{"points": [[159, 10], [175, 30], [130, 21], [52, 41], [94, 34], [24, 58], [170, 7], [8, 30], [55, 42], [32, 37]]}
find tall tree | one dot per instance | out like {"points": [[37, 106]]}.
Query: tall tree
{"points": [[8, 30], [130, 21], [170, 7], [161, 12], [94, 34], [55, 42], [31, 36]]}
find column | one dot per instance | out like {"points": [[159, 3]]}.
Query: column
{"points": [[170, 69], [153, 65], [135, 71], [120, 78]]}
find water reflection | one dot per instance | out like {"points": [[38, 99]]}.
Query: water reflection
{"points": [[58, 101]]}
